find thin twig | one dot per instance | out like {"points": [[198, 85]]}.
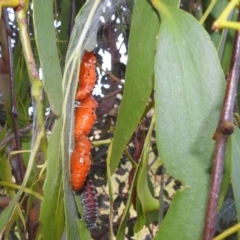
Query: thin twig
{"points": [[13, 112], [110, 75], [224, 130], [11, 136], [111, 94]]}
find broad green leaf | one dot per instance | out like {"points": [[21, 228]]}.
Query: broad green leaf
{"points": [[189, 89], [139, 76], [48, 53], [172, 2], [52, 211]]}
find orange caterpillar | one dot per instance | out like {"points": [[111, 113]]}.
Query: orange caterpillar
{"points": [[85, 117], [84, 121], [87, 76], [80, 163]]}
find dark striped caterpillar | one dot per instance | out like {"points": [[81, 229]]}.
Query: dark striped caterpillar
{"points": [[89, 202], [85, 117]]}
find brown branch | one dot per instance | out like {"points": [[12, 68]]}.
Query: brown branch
{"points": [[4, 59], [224, 130], [13, 112]]}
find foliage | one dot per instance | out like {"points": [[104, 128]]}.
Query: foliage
{"points": [[153, 147]]}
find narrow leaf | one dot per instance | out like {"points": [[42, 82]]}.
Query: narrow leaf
{"points": [[139, 76], [147, 203], [52, 211], [48, 53]]}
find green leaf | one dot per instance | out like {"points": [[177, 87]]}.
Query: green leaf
{"points": [[52, 209], [139, 76], [236, 170], [172, 2], [48, 53], [189, 89]]}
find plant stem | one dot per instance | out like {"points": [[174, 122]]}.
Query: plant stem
{"points": [[208, 11], [36, 84], [111, 75], [224, 129], [26, 190], [228, 232], [13, 112]]}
